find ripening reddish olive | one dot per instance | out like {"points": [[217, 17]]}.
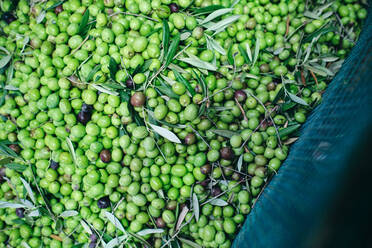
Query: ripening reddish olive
{"points": [[138, 99]]}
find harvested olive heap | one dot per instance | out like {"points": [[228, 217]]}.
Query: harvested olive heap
{"points": [[156, 123]]}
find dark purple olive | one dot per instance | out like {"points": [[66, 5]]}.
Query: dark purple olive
{"points": [[204, 183], [58, 9], [138, 99], [206, 169], [15, 148], [93, 237], [105, 156], [190, 139], [86, 108], [226, 153], [92, 244], [20, 212], [84, 117], [173, 7], [129, 83], [160, 223], [103, 202], [54, 165], [216, 191], [240, 95], [8, 17]]}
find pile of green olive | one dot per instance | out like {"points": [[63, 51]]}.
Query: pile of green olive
{"points": [[138, 123]]}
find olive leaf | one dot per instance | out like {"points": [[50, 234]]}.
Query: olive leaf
{"points": [[195, 61], [4, 204], [185, 35], [214, 45], [5, 60], [92, 73], [230, 57], [165, 133], [256, 51], [165, 90], [244, 54], [145, 232], [240, 163], [206, 10], [25, 245], [16, 166], [115, 221], [68, 213], [288, 130], [83, 27], [115, 242], [297, 99], [177, 68], [235, 3], [182, 216], [71, 149], [113, 67], [215, 14], [189, 242], [172, 50], [29, 190], [218, 202], [182, 80], [85, 226], [224, 23], [104, 90], [40, 17], [165, 37], [224, 133], [195, 206]]}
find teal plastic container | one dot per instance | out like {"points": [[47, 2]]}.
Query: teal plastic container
{"points": [[294, 209]]}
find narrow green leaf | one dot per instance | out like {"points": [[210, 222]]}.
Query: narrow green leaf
{"points": [[288, 105], [55, 5], [256, 51], [215, 14], [229, 55], [71, 149], [40, 17], [182, 80], [206, 10], [172, 50], [166, 35], [5, 161], [190, 243], [219, 202], [92, 73], [279, 95], [297, 99], [195, 61], [244, 54], [5, 60], [167, 91], [214, 45], [115, 221], [224, 133], [195, 206], [166, 133], [240, 163], [249, 52], [16, 166], [288, 130], [68, 213], [320, 32], [83, 27], [29, 190], [113, 67], [224, 22], [104, 90], [145, 232]]}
